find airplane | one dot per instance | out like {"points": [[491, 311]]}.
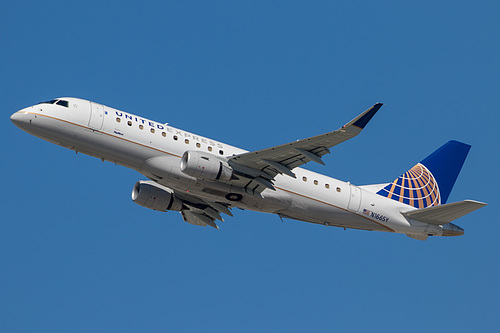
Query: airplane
{"points": [[203, 178]]}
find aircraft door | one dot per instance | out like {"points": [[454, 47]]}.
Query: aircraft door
{"points": [[354, 198], [96, 116]]}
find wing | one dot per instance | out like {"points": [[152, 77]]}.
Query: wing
{"points": [[199, 211], [195, 210], [258, 168]]}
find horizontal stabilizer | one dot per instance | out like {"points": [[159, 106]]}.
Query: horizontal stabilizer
{"points": [[443, 214]]}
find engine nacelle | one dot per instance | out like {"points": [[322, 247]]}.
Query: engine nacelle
{"points": [[154, 196], [205, 166]]}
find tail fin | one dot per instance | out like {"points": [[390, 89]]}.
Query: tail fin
{"points": [[429, 183]]}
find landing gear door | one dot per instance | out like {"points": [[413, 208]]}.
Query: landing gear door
{"points": [[96, 116], [354, 198]]}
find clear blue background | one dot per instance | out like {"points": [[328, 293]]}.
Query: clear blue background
{"points": [[77, 255]]}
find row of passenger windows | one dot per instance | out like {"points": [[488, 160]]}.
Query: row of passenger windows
{"points": [[164, 134], [210, 148], [315, 182]]}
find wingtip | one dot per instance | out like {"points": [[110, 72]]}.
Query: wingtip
{"points": [[366, 116]]}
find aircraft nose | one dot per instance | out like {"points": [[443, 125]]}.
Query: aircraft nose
{"points": [[21, 119], [17, 118]]}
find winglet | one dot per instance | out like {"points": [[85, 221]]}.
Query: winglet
{"points": [[363, 119]]}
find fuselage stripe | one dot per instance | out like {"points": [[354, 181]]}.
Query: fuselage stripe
{"points": [[329, 204], [99, 131]]}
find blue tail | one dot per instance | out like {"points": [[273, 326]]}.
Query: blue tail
{"points": [[429, 183]]}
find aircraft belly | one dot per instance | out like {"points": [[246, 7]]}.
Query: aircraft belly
{"points": [[45, 128], [330, 216], [328, 207], [107, 147]]}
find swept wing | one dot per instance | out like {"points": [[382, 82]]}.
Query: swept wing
{"points": [[258, 168]]}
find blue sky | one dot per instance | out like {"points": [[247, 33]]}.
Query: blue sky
{"points": [[77, 255]]}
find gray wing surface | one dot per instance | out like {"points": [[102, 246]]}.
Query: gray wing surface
{"points": [[199, 211], [259, 168]]}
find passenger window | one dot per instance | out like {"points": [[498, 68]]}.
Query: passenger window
{"points": [[141, 127], [63, 103], [118, 119], [175, 137], [339, 189], [152, 130], [327, 185], [164, 134], [209, 148], [186, 141], [304, 178], [315, 182], [221, 152], [129, 123], [198, 145]]}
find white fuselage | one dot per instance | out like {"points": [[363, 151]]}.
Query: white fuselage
{"points": [[155, 149]]}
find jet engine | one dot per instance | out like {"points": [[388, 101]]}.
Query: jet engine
{"points": [[154, 196], [205, 166]]}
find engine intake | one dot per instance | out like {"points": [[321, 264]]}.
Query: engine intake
{"points": [[205, 166], [154, 196]]}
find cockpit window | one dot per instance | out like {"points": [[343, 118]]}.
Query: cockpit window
{"points": [[62, 102], [49, 102]]}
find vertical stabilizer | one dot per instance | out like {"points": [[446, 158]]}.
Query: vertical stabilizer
{"points": [[429, 183]]}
